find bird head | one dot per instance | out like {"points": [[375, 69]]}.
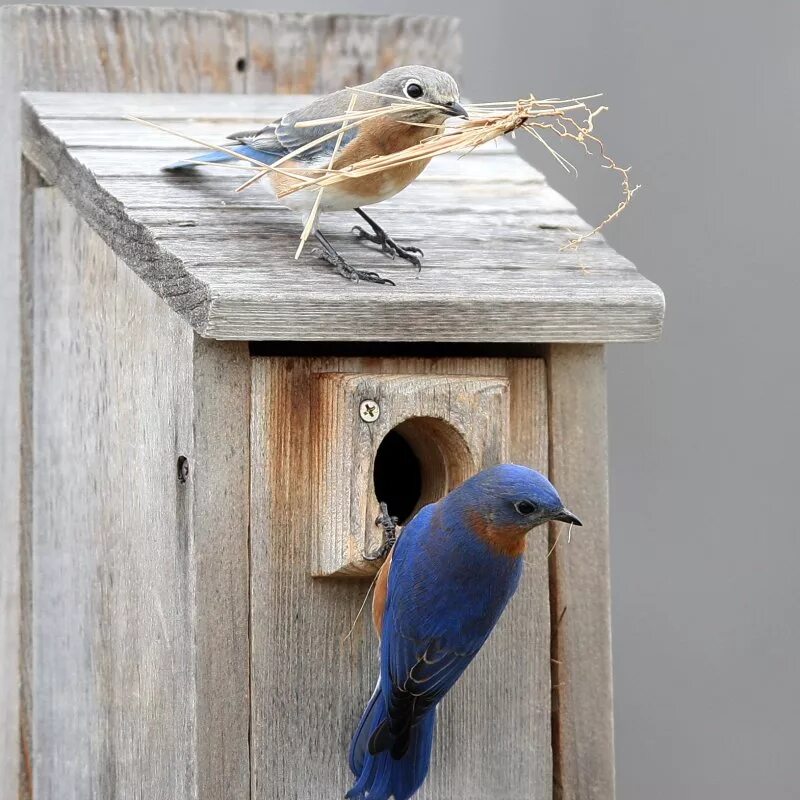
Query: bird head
{"points": [[432, 95], [508, 500]]}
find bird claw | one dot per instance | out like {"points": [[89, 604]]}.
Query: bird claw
{"points": [[389, 525], [389, 246], [351, 273]]}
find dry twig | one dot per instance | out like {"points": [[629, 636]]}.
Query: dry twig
{"points": [[569, 120]]}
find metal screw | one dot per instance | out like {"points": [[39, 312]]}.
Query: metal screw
{"points": [[369, 410]]}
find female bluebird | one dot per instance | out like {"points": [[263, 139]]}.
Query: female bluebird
{"points": [[431, 96], [437, 599]]}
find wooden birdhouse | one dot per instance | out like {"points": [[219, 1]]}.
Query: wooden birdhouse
{"points": [[207, 425]]}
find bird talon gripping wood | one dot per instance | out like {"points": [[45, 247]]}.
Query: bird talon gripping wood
{"points": [[389, 525], [327, 253], [308, 142], [388, 245]]}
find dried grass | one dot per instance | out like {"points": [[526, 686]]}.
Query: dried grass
{"points": [[570, 120]]}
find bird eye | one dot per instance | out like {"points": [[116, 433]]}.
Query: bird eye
{"points": [[413, 90], [525, 507]]}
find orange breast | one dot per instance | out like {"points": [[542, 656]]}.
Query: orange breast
{"points": [[379, 595], [377, 138], [506, 540]]}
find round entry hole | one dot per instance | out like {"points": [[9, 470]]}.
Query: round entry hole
{"points": [[417, 463]]}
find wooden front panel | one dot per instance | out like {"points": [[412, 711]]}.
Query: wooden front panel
{"points": [[314, 662]]}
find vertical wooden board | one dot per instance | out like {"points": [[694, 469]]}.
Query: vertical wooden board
{"points": [[192, 51], [580, 593], [435, 41], [306, 676], [318, 53], [30, 182], [220, 476], [113, 644], [10, 408], [284, 53], [309, 684], [74, 49]]}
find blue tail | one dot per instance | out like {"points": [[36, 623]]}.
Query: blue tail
{"points": [[218, 157], [380, 776]]}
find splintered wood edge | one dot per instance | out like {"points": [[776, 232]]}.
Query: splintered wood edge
{"points": [[609, 311]]}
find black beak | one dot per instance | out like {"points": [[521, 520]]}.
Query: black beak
{"points": [[568, 516], [455, 109]]}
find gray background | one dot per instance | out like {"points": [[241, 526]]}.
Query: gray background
{"points": [[704, 424]]}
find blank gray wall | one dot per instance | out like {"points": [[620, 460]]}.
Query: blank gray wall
{"points": [[705, 425]]}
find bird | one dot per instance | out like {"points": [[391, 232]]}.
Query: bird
{"points": [[438, 596], [431, 97]]}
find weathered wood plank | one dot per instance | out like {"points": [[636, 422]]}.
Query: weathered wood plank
{"points": [[233, 282], [191, 51], [171, 106], [583, 729], [481, 166], [318, 54], [509, 681], [11, 419], [127, 134], [30, 182], [64, 48], [219, 474], [113, 583], [209, 190]]}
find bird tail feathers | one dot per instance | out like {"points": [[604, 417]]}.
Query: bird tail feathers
{"points": [[380, 776], [220, 157]]}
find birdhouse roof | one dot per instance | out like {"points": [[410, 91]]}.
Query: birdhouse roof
{"points": [[491, 228]]}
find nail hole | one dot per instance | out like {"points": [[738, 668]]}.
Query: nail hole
{"points": [[417, 463], [183, 469], [241, 64]]}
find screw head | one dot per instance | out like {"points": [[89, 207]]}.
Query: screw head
{"points": [[369, 410]]}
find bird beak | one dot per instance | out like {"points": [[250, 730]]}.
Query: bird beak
{"points": [[455, 109], [567, 516]]}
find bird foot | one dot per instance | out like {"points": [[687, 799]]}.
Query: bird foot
{"points": [[389, 246], [346, 271], [389, 525]]}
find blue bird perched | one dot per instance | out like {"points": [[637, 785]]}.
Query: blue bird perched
{"points": [[437, 598], [422, 99]]}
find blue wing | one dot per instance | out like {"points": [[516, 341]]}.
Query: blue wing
{"points": [[278, 139], [428, 640]]}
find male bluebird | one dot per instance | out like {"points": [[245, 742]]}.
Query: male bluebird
{"points": [[431, 96], [437, 598]]}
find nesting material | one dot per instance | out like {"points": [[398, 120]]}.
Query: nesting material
{"points": [[565, 120]]}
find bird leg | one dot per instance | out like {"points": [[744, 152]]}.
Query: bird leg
{"points": [[389, 525], [328, 253], [388, 245]]}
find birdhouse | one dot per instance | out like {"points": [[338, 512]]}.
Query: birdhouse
{"points": [[208, 425]]}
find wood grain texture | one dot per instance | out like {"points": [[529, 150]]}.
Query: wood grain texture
{"points": [[141, 575], [237, 278], [113, 583], [220, 482], [456, 425], [191, 51], [296, 53], [307, 695], [30, 182], [10, 418], [583, 726]]}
